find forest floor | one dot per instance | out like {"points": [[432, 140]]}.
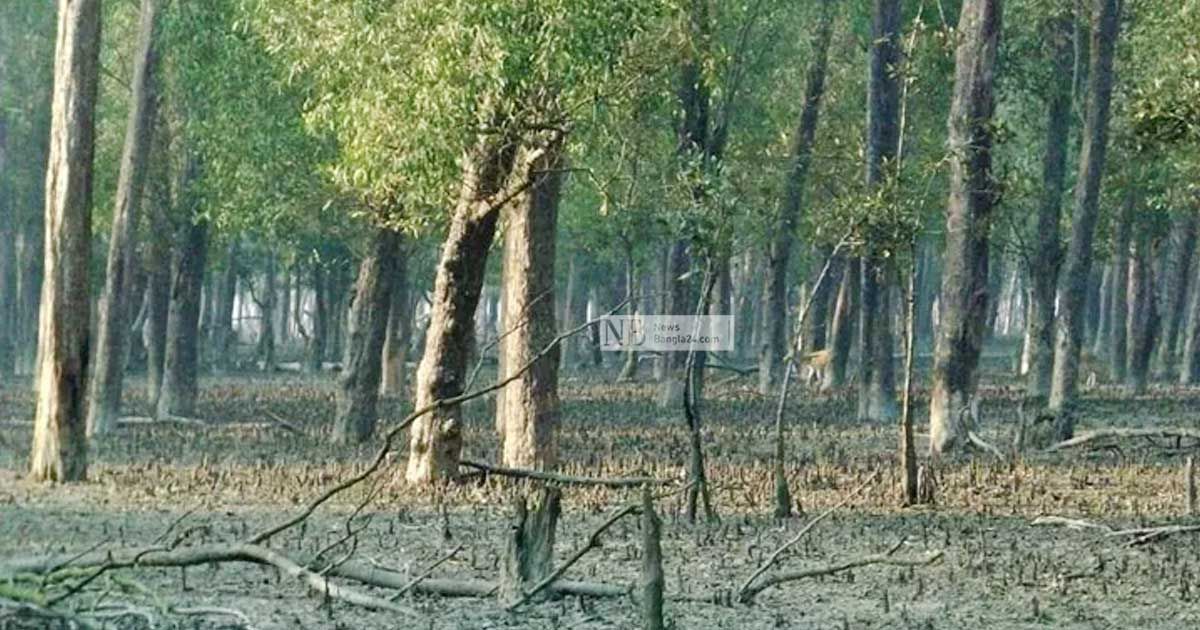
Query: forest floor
{"points": [[241, 472]]}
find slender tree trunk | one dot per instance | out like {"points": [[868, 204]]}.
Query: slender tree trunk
{"points": [[968, 212], [817, 327], [1118, 343], [267, 308], [8, 253], [1047, 259], [790, 210], [158, 300], [1176, 287], [437, 436], [223, 337], [1064, 385], [877, 395], [633, 282], [394, 381], [314, 356], [358, 388], [59, 450], [1189, 373], [283, 305], [112, 333], [845, 316], [181, 360], [1143, 314], [528, 410]]}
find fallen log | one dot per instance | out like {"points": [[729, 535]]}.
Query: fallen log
{"points": [[747, 595], [522, 473], [1088, 437]]}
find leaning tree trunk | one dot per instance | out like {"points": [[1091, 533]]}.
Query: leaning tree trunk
{"points": [[876, 387], [968, 212], [527, 411], [437, 436], [1044, 269], [358, 389], [1118, 302], [394, 378], [1176, 287], [1143, 314], [1078, 263], [112, 331], [180, 362], [59, 432], [775, 345]]}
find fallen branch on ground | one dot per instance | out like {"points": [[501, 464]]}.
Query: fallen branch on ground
{"points": [[800, 534], [886, 558], [522, 473], [1137, 535], [1088, 437]]}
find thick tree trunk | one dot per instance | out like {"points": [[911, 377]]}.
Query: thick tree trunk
{"points": [[1118, 342], [1078, 263], [843, 324], [968, 212], [527, 411], [1177, 285], [775, 345], [394, 379], [59, 436], [876, 387], [929, 281], [1143, 314], [1046, 261], [437, 436], [181, 359], [1189, 373], [158, 300], [314, 355], [112, 331], [358, 388]]}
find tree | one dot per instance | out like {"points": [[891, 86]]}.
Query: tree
{"points": [[112, 338], [1105, 24], [59, 438], [968, 214], [876, 387]]}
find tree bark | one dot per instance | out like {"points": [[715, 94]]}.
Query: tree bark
{"points": [[1177, 285], [437, 436], [394, 380], [223, 337], [791, 208], [1118, 342], [1143, 321], [968, 213], [112, 332], [59, 450], [1064, 384], [358, 388], [8, 253], [267, 309], [528, 409], [876, 386], [1047, 259], [180, 361]]}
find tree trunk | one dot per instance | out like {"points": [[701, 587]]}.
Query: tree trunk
{"points": [[436, 438], [1176, 286], [1078, 263], [876, 394], [1189, 373], [112, 332], [394, 380], [1046, 261], [267, 308], [180, 362], [968, 213], [790, 210], [845, 317], [59, 436], [1118, 343], [223, 338], [1104, 325], [8, 254], [158, 299], [314, 356], [1143, 314], [358, 388], [527, 411]]}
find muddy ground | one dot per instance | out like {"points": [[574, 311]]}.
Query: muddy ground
{"points": [[242, 472]]}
